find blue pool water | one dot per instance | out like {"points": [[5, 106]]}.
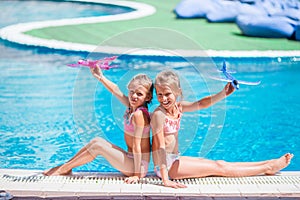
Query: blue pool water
{"points": [[26, 11], [49, 111]]}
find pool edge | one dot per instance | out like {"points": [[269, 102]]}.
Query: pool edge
{"points": [[83, 185]]}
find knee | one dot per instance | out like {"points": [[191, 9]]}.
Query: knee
{"points": [[97, 144], [174, 175], [97, 140], [221, 163], [173, 171], [222, 166]]}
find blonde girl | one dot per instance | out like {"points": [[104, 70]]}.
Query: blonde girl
{"points": [[133, 162], [165, 123]]}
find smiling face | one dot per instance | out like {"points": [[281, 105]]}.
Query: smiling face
{"points": [[165, 96], [167, 86]]}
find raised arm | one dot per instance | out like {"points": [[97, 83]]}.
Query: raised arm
{"points": [[110, 86], [207, 101]]}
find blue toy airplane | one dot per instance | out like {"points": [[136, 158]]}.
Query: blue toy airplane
{"points": [[229, 78]]}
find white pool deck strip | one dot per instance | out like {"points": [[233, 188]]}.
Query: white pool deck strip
{"points": [[32, 184]]}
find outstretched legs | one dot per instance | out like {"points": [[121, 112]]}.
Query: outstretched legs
{"points": [[98, 146], [190, 167]]}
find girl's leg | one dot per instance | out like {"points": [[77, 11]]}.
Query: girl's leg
{"points": [[189, 167], [82, 150], [58, 169], [98, 146]]}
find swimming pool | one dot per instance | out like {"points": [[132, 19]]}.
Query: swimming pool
{"points": [[42, 101]]}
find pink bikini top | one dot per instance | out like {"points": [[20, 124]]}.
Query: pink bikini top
{"points": [[128, 125], [172, 126]]}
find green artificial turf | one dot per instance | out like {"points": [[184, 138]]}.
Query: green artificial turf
{"points": [[215, 36]]}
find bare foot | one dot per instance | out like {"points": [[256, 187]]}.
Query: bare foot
{"points": [[56, 171], [280, 163]]}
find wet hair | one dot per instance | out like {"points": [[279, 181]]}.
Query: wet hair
{"points": [[146, 82], [171, 79]]}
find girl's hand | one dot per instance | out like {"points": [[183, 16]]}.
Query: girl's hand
{"points": [[172, 184], [229, 89], [97, 72], [132, 179]]}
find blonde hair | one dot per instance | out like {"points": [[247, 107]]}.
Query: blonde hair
{"points": [[171, 79], [146, 82]]}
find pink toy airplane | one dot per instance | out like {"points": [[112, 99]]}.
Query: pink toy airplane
{"points": [[102, 63]]}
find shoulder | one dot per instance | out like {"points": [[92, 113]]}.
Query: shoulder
{"points": [[138, 114], [141, 114], [158, 113], [157, 119], [138, 118], [180, 105]]}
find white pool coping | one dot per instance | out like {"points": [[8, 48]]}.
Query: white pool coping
{"points": [[31, 183], [15, 33]]}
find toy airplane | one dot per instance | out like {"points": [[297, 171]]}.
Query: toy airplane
{"points": [[102, 63], [229, 78]]}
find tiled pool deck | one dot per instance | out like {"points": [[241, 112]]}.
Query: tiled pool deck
{"points": [[28, 184]]}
